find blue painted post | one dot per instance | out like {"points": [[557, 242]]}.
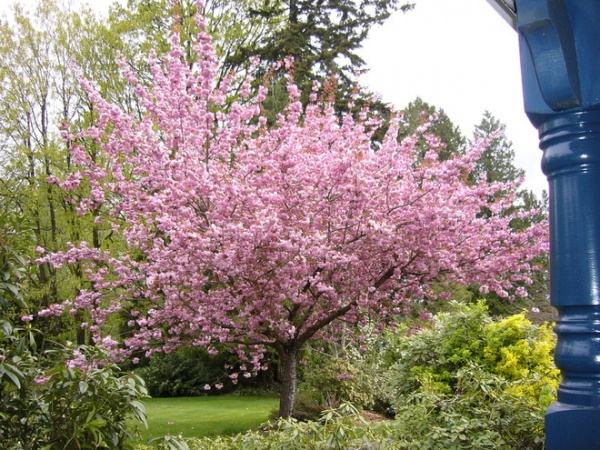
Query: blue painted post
{"points": [[560, 62]]}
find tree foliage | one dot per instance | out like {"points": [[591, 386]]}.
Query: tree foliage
{"points": [[496, 164], [147, 24], [42, 49], [419, 113], [322, 38], [497, 160]]}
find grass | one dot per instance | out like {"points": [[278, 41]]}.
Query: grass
{"points": [[205, 416]]}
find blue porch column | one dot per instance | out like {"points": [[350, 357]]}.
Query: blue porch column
{"points": [[560, 62]]}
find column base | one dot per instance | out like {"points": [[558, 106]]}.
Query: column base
{"points": [[572, 427]]}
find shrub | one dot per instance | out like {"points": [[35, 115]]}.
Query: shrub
{"points": [[186, 371], [338, 429], [521, 352], [346, 372], [481, 414], [335, 381], [51, 401], [470, 382]]}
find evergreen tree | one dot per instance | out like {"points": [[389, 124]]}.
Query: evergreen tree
{"points": [[497, 161], [322, 36], [419, 113]]}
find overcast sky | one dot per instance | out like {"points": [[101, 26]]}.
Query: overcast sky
{"points": [[459, 55]]}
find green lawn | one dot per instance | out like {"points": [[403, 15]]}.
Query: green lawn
{"points": [[205, 416]]}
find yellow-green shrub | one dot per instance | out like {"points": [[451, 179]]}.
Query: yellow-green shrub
{"points": [[517, 350], [483, 382]]}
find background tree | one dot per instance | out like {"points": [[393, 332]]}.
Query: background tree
{"points": [[147, 24], [419, 113], [257, 236], [497, 160], [322, 37], [39, 50]]}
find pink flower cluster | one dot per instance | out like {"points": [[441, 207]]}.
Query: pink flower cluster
{"points": [[344, 376]]}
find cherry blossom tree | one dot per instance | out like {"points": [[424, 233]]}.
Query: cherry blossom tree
{"points": [[257, 236]]}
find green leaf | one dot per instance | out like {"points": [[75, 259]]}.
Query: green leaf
{"points": [[11, 372], [96, 423], [90, 415], [12, 288]]}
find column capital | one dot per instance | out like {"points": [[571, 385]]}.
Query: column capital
{"points": [[560, 56]]}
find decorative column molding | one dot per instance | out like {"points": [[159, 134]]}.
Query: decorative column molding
{"points": [[560, 64]]}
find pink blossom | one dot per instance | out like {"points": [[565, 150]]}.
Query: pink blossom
{"points": [[344, 376], [108, 343], [42, 380], [425, 315], [52, 180], [52, 310], [79, 361], [27, 318]]}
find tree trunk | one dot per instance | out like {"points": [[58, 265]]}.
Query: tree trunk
{"points": [[289, 380]]}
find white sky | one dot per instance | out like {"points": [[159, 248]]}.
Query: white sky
{"points": [[459, 55]]}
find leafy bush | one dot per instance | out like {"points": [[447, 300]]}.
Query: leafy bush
{"points": [[335, 381], [188, 370], [520, 352], [347, 371], [15, 237], [470, 382], [481, 414], [182, 373], [55, 399], [79, 403]]}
